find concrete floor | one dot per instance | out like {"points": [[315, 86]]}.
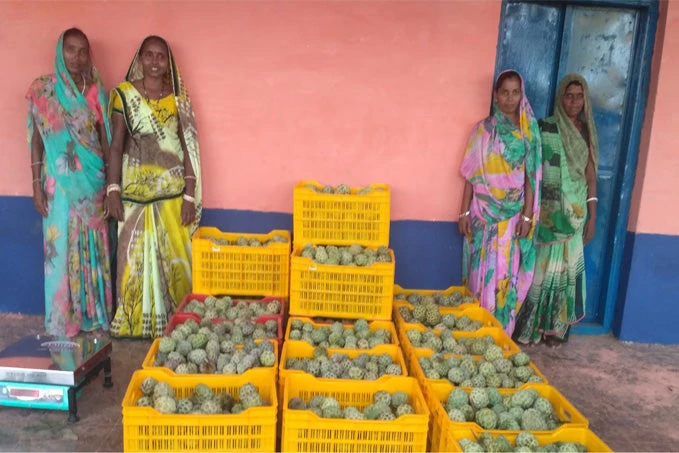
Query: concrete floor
{"points": [[629, 393]]}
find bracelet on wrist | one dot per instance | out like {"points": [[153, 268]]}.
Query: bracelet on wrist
{"points": [[112, 188], [594, 199], [189, 198], [465, 214]]}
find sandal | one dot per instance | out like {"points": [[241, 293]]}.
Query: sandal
{"points": [[553, 342]]}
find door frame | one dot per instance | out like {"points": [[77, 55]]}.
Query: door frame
{"points": [[633, 120]]}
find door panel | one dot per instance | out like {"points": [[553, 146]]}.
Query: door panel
{"points": [[539, 25], [599, 44]]}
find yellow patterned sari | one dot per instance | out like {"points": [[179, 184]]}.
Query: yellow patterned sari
{"points": [[154, 248]]}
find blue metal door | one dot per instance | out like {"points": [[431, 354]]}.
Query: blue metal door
{"points": [[609, 46]]}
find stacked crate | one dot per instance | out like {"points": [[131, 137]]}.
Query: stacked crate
{"points": [[446, 434], [241, 266], [221, 266], [343, 294], [335, 291]]}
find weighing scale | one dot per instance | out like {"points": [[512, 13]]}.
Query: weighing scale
{"points": [[46, 372]]}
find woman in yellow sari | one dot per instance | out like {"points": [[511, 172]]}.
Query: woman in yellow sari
{"points": [[153, 190]]}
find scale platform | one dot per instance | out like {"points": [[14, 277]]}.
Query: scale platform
{"points": [[46, 372]]}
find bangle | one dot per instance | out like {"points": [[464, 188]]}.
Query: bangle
{"points": [[189, 198], [526, 218], [595, 199], [112, 188], [36, 163], [36, 180], [465, 214], [190, 177]]}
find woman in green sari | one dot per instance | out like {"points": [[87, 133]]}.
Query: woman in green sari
{"points": [[153, 190], [570, 151]]}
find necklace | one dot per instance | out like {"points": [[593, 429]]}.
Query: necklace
{"points": [[84, 84], [146, 95]]}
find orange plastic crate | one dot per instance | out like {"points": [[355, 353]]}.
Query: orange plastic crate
{"points": [[566, 434], [180, 318], [341, 219], [181, 309], [145, 429], [482, 315], [500, 338], [243, 271], [335, 291], [372, 325], [302, 349], [442, 426], [430, 292], [150, 359], [304, 431], [416, 371]]}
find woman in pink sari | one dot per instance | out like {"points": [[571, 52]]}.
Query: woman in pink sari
{"points": [[500, 201]]}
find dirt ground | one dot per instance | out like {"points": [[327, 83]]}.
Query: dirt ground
{"points": [[629, 393]]}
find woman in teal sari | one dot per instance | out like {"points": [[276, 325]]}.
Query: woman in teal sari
{"points": [[68, 136], [570, 153]]}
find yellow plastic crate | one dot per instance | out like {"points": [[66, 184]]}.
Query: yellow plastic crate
{"points": [[480, 314], [302, 349], [416, 371], [243, 271], [373, 325], [150, 358], [145, 429], [500, 338], [341, 219], [304, 431], [442, 426], [566, 434], [430, 292], [334, 291]]}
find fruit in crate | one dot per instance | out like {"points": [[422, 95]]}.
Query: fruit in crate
{"points": [[455, 299], [524, 410], [357, 336], [444, 341], [524, 442], [340, 366], [341, 189], [204, 400], [429, 315], [192, 349], [464, 371], [354, 255], [385, 406], [246, 242], [228, 308]]}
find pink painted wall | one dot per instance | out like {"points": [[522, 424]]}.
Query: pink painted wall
{"points": [[655, 189], [354, 92]]}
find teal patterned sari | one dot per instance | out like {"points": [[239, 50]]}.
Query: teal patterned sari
{"points": [[77, 268]]}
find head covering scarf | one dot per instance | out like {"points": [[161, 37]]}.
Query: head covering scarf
{"points": [[68, 127], [187, 118], [576, 148], [566, 153], [494, 162]]}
